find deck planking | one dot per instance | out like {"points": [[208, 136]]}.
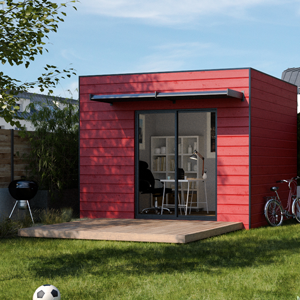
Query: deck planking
{"points": [[135, 230]]}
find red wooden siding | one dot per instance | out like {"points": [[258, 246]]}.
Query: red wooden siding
{"points": [[107, 139], [273, 139]]}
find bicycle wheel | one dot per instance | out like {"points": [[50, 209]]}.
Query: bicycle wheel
{"points": [[273, 213], [296, 209]]}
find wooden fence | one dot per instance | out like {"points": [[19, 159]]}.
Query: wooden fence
{"points": [[11, 166]]}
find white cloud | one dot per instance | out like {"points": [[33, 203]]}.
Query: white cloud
{"points": [[170, 57], [70, 55], [173, 11]]}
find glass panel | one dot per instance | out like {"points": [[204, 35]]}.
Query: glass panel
{"points": [[156, 163], [197, 187]]}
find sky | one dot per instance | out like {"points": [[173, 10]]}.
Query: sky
{"points": [[131, 36]]}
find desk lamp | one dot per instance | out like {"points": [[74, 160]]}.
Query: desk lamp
{"points": [[195, 156]]}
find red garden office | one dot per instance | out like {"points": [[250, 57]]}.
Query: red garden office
{"points": [[139, 133]]}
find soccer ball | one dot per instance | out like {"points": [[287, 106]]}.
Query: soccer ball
{"points": [[46, 292]]}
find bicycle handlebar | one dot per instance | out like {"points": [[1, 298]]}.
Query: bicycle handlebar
{"points": [[285, 180]]}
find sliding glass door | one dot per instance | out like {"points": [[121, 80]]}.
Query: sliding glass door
{"points": [[169, 182]]}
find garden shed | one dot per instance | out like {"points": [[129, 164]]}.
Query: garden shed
{"points": [[240, 123]]}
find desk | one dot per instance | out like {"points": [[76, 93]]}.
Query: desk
{"points": [[182, 204]]}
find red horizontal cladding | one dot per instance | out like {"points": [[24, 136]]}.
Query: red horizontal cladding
{"points": [[107, 170], [117, 153], [107, 161], [232, 160], [233, 200], [226, 217], [107, 206], [86, 152], [168, 86], [263, 116], [273, 102], [264, 190], [258, 220], [233, 150], [107, 214], [274, 152], [258, 208], [282, 171], [96, 106], [259, 142], [233, 209], [267, 160], [107, 125], [107, 134], [233, 180], [289, 125], [269, 133], [228, 170], [233, 121], [275, 83], [259, 90], [233, 141], [236, 190], [266, 179], [114, 197], [115, 115], [107, 143], [271, 107], [102, 179], [167, 76], [232, 112], [107, 188], [232, 131]]}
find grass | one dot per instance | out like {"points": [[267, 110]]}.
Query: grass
{"points": [[261, 263]]}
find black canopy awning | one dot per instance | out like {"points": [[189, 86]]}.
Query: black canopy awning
{"points": [[228, 93]]}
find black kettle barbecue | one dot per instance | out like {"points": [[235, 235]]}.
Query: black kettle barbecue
{"points": [[22, 191]]}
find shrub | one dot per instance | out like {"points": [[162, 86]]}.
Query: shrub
{"points": [[54, 216]]}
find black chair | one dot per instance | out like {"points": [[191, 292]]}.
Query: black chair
{"points": [[147, 186]]}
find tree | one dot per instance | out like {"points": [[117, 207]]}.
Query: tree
{"points": [[53, 159], [24, 29]]}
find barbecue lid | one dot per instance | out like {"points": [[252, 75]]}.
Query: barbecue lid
{"points": [[23, 189]]}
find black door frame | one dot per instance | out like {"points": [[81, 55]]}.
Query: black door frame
{"points": [[137, 215]]}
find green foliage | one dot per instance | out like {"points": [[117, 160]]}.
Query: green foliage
{"points": [[54, 216], [9, 228], [24, 29], [53, 159]]}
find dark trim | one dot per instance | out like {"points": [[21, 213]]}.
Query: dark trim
{"points": [[136, 164], [228, 93], [176, 162], [175, 216], [249, 148], [79, 145], [12, 150]]}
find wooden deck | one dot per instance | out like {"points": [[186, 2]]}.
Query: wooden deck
{"points": [[137, 230]]}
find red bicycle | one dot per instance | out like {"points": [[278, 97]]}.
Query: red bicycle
{"points": [[274, 211]]}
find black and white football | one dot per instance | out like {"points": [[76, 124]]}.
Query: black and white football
{"points": [[46, 292]]}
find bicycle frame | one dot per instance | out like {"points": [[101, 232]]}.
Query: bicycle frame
{"points": [[287, 210]]}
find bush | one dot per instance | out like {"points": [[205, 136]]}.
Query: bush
{"points": [[53, 159], [54, 216], [9, 228]]}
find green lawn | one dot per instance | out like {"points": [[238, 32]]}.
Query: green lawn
{"points": [[261, 263]]}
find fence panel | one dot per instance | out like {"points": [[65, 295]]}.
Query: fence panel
{"points": [[8, 149]]}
